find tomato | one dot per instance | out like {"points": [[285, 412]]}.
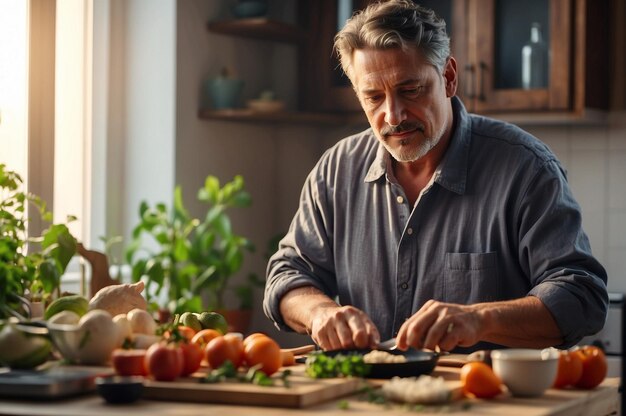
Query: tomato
{"points": [[220, 349], [129, 362], [203, 337], [264, 351], [192, 357], [186, 332], [164, 362], [594, 367], [570, 369], [479, 380]]}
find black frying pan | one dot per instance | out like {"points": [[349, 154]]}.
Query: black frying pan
{"points": [[417, 363]]}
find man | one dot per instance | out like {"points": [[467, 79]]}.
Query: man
{"points": [[441, 228]]}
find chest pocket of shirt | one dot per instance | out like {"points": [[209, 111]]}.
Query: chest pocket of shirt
{"points": [[470, 278]]}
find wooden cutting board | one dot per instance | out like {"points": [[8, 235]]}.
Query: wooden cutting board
{"points": [[303, 391]]}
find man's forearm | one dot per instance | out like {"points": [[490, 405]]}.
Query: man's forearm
{"points": [[297, 306], [522, 322]]}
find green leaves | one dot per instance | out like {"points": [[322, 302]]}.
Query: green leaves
{"points": [[196, 255], [60, 243], [33, 270]]}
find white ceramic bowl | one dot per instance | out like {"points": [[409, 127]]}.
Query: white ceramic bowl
{"points": [[526, 372], [80, 346]]}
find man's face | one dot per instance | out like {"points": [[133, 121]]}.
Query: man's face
{"points": [[406, 100]]}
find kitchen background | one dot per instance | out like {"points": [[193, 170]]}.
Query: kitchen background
{"points": [[276, 157], [150, 61]]}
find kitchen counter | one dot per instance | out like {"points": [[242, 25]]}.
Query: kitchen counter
{"points": [[603, 400]]}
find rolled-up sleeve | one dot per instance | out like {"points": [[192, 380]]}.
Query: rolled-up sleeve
{"points": [[565, 276], [305, 255]]}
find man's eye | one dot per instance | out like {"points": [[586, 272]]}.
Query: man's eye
{"points": [[373, 99], [412, 92]]}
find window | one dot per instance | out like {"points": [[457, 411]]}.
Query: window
{"points": [[45, 107]]}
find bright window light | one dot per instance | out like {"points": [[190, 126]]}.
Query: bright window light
{"points": [[14, 85]]}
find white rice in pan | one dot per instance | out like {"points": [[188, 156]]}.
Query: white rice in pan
{"points": [[382, 357]]}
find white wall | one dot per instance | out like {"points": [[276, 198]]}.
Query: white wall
{"points": [[142, 111], [273, 159], [595, 158]]}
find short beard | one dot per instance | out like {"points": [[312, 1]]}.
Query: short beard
{"points": [[408, 153]]}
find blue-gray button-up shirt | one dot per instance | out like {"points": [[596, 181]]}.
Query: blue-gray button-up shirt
{"points": [[498, 222]]}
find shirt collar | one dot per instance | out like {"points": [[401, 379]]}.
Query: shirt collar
{"points": [[452, 173], [379, 165]]}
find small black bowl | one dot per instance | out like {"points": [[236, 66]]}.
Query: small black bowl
{"points": [[120, 389]]}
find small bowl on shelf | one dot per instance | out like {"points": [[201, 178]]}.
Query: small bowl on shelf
{"points": [[266, 106], [120, 389], [526, 372]]}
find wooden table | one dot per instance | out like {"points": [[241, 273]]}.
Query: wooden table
{"points": [[604, 400]]}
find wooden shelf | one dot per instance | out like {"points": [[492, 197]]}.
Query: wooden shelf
{"points": [[258, 28], [243, 115], [587, 117], [282, 117]]}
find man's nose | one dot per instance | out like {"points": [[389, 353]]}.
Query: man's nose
{"points": [[394, 111]]}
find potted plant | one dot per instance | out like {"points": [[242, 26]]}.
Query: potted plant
{"points": [[30, 268], [190, 261]]}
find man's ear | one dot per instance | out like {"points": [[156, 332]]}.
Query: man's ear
{"points": [[451, 76]]}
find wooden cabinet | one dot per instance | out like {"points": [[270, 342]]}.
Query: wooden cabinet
{"points": [[487, 37], [577, 65]]}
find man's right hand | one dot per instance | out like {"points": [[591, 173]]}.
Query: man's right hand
{"points": [[342, 327], [332, 327]]}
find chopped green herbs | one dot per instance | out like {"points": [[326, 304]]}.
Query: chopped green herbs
{"points": [[322, 365], [343, 404], [254, 375]]}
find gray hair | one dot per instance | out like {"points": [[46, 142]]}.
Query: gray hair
{"points": [[394, 24]]}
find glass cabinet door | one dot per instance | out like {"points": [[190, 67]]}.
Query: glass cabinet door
{"points": [[520, 57]]}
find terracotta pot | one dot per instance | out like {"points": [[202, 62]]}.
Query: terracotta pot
{"points": [[164, 316], [36, 310], [238, 319]]}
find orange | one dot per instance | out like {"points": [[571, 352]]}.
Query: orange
{"points": [[223, 348], [203, 337], [250, 337], [570, 369], [264, 351], [478, 379]]}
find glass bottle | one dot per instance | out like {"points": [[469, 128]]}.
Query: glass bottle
{"points": [[535, 60]]}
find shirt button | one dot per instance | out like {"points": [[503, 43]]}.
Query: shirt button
{"points": [[400, 200], [409, 231], [404, 286]]}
